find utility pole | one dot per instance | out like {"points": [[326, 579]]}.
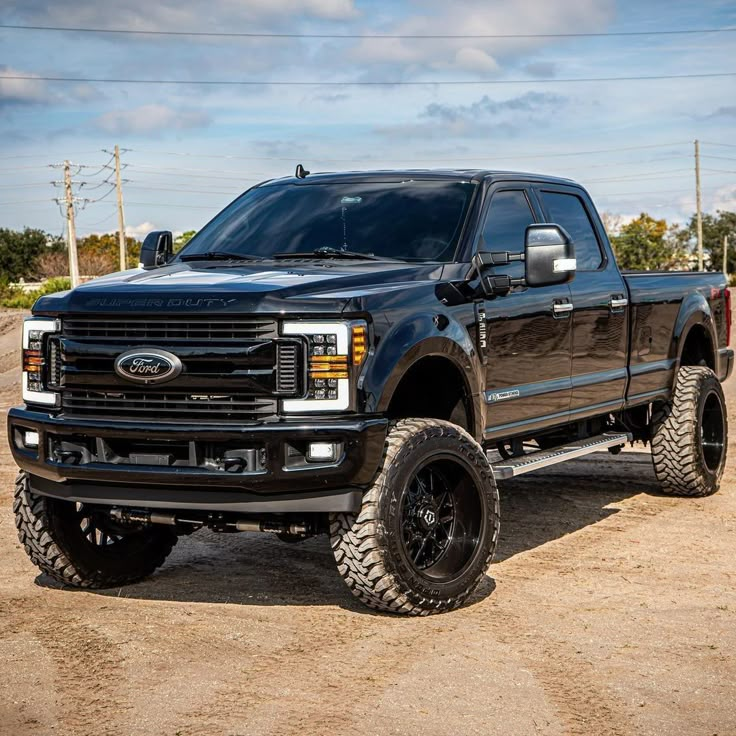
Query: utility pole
{"points": [[699, 210], [725, 256], [121, 215], [71, 227]]}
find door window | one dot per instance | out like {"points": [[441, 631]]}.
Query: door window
{"points": [[568, 211], [506, 221]]}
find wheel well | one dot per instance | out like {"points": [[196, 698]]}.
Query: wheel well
{"points": [[433, 388], [698, 349]]}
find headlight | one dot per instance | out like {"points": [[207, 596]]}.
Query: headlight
{"points": [[335, 351], [34, 361]]}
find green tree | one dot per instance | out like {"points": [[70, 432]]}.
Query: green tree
{"points": [[181, 240], [646, 244], [101, 253], [20, 250], [715, 227]]}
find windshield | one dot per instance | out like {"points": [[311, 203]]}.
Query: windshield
{"points": [[409, 220]]}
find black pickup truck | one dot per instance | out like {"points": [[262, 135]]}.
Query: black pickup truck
{"points": [[361, 354]]}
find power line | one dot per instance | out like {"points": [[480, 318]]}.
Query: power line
{"points": [[712, 143], [364, 159], [187, 191], [366, 36], [26, 201], [363, 83], [162, 204]]}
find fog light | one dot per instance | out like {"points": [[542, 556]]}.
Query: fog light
{"points": [[30, 439], [322, 451]]}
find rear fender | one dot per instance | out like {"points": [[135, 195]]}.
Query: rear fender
{"points": [[694, 311]]}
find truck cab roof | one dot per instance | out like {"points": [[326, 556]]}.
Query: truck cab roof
{"points": [[451, 174]]}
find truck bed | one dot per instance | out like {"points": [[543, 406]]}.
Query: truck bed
{"points": [[661, 302]]}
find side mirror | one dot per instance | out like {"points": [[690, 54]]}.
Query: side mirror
{"points": [[157, 249], [549, 255]]}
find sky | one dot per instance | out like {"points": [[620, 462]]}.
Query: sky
{"points": [[189, 149]]}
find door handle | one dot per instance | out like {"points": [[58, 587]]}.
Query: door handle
{"points": [[618, 302], [562, 308]]}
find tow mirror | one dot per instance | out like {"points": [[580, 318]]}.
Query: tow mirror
{"points": [[549, 258], [157, 249], [549, 255]]}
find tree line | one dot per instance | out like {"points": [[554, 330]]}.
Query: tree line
{"points": [[649, 244], [34, 255], [644, 243]]}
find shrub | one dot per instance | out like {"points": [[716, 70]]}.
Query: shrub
{"points": [[13, 297]]}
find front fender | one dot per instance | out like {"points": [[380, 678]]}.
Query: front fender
{"points": [[416, 337]]}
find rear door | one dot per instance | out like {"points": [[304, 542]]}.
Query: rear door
{"points": [[600, 307], [528, 330]]}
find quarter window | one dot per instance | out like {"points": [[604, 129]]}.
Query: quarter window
{"points": [[569, 211]]}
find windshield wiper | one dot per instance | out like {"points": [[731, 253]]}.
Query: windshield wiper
{"points": [[218, 255], [327, 251]]}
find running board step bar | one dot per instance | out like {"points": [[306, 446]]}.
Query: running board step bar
{"points": [[544, 458]]}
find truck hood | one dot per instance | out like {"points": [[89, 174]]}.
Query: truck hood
{"points": [[273, 287]]}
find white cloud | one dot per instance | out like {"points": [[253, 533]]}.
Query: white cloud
{"points": [[724, 198], [183, 15], [139, 231], [153, 119], [477, 18], [475, 60], [21, 91]]}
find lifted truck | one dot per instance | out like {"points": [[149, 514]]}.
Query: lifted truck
{"points": [[361, 355]]}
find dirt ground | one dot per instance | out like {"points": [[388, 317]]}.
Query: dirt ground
{"points": [[609, 610]]}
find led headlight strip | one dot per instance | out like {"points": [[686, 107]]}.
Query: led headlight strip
{"points": [[34, 361], [333, 347]]}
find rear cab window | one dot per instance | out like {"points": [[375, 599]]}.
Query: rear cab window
{"points": [[569, 211]]}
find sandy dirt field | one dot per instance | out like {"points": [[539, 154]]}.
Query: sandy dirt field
{"points": [[609, 610]]}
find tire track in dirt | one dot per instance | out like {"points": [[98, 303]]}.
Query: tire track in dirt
{"points": [[339, 658], [359, 658], [89, 690], [570, 682]]}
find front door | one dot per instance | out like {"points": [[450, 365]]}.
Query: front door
{"points": [[528, 344], [600, 328]]}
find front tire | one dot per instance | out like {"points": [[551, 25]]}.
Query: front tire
{"points": [[428, 527], [79, 546], [689, 435]]}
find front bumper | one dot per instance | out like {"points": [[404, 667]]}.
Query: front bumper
{"points": [[101, 476]]}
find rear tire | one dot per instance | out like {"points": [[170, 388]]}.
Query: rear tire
{"points": [[427, 529], [80, 547], [689, 435]]}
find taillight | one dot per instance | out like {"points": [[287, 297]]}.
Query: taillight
{"points": [[34, 361]]}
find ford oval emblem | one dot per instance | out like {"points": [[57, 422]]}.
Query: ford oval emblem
{"points": [[147, 366]]}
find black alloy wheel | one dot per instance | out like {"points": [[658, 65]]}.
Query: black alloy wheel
{"points": [[428, 526], [440, 519]]}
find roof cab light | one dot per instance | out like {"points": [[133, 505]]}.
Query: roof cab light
{"points": [[34, 361], [333, 347]]}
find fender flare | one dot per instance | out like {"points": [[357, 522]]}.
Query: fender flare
{"points": [[409, 342], [694, 311]]}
